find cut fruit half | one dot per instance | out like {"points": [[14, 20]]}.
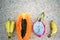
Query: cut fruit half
{"points": [[23, 26]]}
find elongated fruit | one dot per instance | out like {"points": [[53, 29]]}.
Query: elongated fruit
{"points": [[9, 27], [53, 28], [23, 26], [12, 27]]}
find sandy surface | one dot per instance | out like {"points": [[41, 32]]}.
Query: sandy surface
{"points": [[9, 9]]}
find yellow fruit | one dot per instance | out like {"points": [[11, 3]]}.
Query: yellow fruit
{"points": [[10, 27], [53, 28]]}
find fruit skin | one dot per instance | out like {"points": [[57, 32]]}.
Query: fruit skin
{"points": [[12, 27], [19, 27], [53, 28], [44, 29], [9, 27]]}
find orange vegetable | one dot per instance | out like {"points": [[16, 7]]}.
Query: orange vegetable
{"points": [[19, 28]]}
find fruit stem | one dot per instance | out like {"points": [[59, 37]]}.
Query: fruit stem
{"points": [[49, 36], [41, 16], [9, 35]]}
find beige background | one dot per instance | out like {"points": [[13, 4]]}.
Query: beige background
{"points": [[9, 9]]}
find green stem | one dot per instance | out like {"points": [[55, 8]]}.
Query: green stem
{"points": [[41, 16]]}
